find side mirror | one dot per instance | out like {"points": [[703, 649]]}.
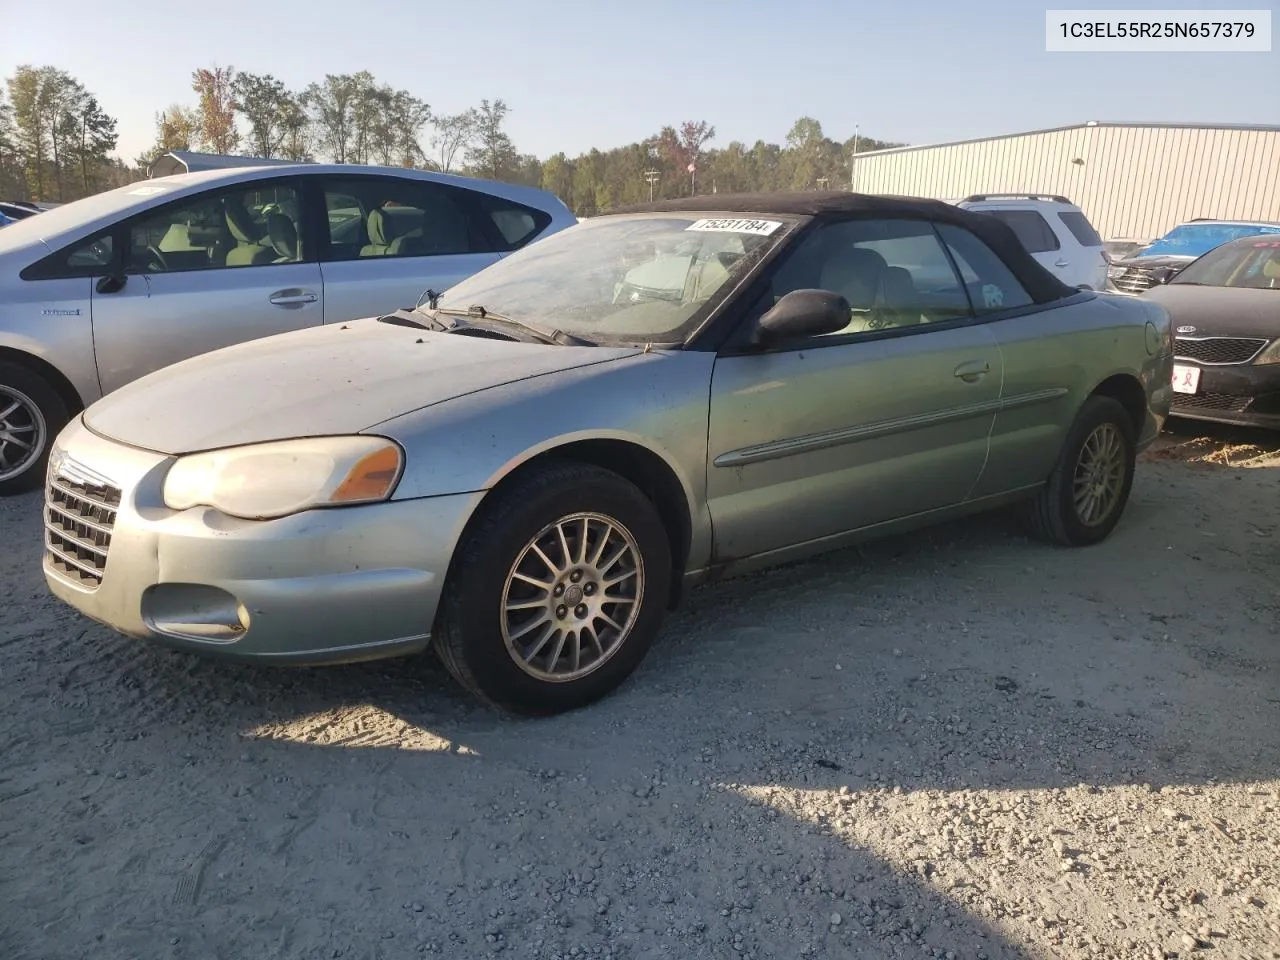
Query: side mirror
{"points": [[802, 313], [111, 283]]}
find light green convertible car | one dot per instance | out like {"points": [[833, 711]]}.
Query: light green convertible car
{"points": [[524, 472]]}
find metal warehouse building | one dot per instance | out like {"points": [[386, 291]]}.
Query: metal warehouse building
{"points": [[1133, 180]]}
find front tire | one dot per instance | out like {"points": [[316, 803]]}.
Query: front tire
{"points": [[556, 591], [31, 415], [1089, 486]]}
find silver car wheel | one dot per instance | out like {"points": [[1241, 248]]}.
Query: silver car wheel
{"points": [[572, 597], [1099, 475], [22, 432]]}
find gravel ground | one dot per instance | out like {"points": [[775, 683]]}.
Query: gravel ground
{"points": [[954, 744]]}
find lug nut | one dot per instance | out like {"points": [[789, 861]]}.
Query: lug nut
{"points": [[562, 611], [581, 611], [559, 590], [575, 576], [589, 589]]}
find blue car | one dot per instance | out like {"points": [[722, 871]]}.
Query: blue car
{"points": [[1159, 260]]}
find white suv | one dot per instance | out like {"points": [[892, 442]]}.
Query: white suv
{"points": [[1054, 230]]}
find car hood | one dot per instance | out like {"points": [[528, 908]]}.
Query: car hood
{"points": [[1220, 311], [329, 380], [1155, 260]]}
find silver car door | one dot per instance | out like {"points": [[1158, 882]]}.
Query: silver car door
{"points": [[388, 240], [205, 272], [883, 420]]}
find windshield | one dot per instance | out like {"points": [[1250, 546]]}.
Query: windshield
{"points": [[1252, 264], [1194, 239], [645, 278]]}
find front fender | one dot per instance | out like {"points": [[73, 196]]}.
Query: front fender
{"points": [[656, 401]]}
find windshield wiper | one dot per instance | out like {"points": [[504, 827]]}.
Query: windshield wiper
{"points": [[477, 312]]}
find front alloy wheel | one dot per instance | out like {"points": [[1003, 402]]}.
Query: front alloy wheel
{"points": [[572, 597], [556, 591]]}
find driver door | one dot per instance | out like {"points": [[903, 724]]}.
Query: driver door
{"points": [[202, 273], [888, 418]]}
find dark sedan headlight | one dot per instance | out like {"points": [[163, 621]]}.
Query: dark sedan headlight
{"points": [[1115, 272], [268, 480], [1271, 354]]}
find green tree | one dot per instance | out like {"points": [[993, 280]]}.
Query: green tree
{"points": [[216, 109], [60, 134], [492, 153], [32, 98], [454, 134], [12, 181], [333, 105], [397, 121], [177, 128], [92, 138], [557, 178], [297, 128], [264, 102]]}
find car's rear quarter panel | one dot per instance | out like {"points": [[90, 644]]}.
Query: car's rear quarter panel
{"points": [[1063, 355], [50, 320]]}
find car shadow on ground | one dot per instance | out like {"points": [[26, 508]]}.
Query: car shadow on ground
{"points": [[727, 802]]}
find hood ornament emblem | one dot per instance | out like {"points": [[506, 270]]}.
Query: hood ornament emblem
{"points": [[1187, 329]]}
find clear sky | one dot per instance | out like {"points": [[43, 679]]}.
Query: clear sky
{"points": [[579, 74]]}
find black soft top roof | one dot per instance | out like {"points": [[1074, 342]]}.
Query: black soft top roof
{"points": [[1042, 285]]}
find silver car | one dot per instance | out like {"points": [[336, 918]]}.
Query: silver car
{"points": [[96, 293], [525, 475]]}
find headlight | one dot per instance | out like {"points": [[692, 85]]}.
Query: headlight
{"points": [[1115, 273], [269, 480], [1271, 354]]}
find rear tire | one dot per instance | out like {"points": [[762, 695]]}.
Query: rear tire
{"points": [[598, 546], [1089, 487], [31, 416]]}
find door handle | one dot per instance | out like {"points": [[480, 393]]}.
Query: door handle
{"points": [[973, 370], [292, 298], [1062, 263]]}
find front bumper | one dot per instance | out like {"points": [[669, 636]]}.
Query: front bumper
{"points": [[323, 586], [1243, 394]]}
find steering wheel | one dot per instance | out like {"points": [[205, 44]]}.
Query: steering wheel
{"points": [[155, 259]]}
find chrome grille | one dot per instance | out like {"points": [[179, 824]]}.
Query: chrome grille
{"points": [[80, 511], [1218, 350], [1134, 280], [1226, 402]]}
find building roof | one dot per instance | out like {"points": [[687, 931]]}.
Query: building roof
{"points": [[1261, 127]]}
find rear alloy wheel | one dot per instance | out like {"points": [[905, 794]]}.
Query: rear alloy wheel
{"points": [[31, 415], [556, 592], [1089, 487]]}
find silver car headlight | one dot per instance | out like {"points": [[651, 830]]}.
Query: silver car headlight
{"points": [[1271, 354], [1115, 273], [268, 480]]}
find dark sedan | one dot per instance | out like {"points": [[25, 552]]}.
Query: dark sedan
{"points": [[1226, 315]]}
